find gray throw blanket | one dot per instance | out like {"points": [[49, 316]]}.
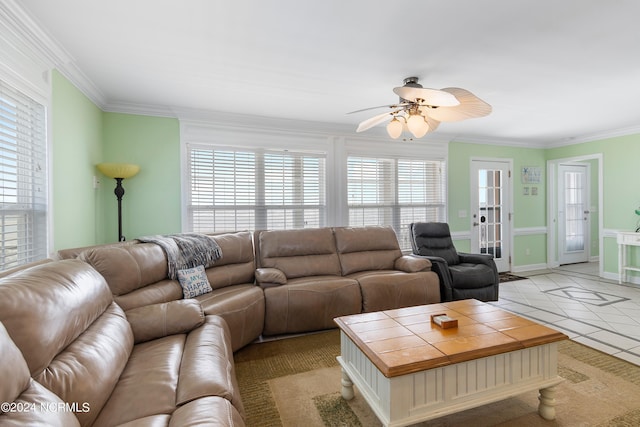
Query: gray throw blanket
{"points": [[186, 250]]}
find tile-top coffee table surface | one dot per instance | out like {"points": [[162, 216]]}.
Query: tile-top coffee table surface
{"points": [[403, 341]]}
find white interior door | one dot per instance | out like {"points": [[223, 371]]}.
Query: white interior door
{"points": [[573, 213], [490, 210]]}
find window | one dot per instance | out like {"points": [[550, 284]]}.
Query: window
{"points": [[396, 192], [247, 189], [23, 179]]}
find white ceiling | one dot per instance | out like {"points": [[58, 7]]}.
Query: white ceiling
{"points": [[554, 71]]}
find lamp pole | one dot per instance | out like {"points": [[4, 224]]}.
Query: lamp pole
{"points": [[119, 192], [119, 171]]}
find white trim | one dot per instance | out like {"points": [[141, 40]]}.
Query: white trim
{"points": [[208, 134], [461, 235], [552, 178], [529, 267], [529, 231], [41, 44], [26, 66], [510, 193]]}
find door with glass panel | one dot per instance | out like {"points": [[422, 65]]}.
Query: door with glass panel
{"points": [[490, 216], [573, 213]]}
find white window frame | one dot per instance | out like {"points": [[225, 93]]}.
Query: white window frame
{"points": [[252, 132], [261, 166], [198, 134], [23, 178], [378, 195], [26, 67]]}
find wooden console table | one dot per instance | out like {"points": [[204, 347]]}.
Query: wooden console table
{"points": [[626, 238]]}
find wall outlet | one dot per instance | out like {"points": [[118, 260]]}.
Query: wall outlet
{"points": [[96, 182], [527, 251]]}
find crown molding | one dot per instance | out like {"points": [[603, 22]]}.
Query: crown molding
{"points": [[614, 133], [507, 142], [26, 34], [23, 33]]}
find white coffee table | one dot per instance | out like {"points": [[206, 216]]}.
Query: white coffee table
{"points": [[410, 370]]}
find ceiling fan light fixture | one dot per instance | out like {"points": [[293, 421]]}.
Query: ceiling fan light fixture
{"points": [[421, 110], [417, 125], [394, 128]]}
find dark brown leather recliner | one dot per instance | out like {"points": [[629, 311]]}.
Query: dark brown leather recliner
{"points": [[462, 275]]}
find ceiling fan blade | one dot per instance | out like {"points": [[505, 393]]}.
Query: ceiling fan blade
{"points": [[373, 121], [434, 97], [433, 123], [470, 107], [404, 104]]}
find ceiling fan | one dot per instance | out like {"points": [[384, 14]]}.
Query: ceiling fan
{"points": [[420, 110]]}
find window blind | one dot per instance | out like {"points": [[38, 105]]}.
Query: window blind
{"points": [[232, 189], [395, 192], [23, 179]]}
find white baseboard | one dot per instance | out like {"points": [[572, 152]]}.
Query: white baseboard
{"points": [[529, 267]]}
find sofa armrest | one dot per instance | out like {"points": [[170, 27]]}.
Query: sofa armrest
{"points": [[411, 264], [268, 277], [486, 259], [168, 318], [441, 268]]}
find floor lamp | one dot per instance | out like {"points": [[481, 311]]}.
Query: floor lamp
{"points": [[119, 171]]}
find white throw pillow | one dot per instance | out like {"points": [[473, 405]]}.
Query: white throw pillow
{"points": [[194, 282]]}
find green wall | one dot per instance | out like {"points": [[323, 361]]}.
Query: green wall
{"points": [[152, 201], [76, 125], [529, 210], [621, 194], [83, 136]]}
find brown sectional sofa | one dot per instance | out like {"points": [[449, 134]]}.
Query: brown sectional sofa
{"points": [[137, 275], [71, 356], [311, 276], [108, 329]]}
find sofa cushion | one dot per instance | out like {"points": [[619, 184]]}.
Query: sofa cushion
{"points": [[13, 369], [386, 290], [242, 308], [298, 253], [74, 338], [238, 264], [472, 276], [47, 307], [165, 373], [366, 248], [128, 267], [217, 377], [208, 411], [310, 304], [35, 396], [159, 292], [169, 318], [148, 384], [194, 281]]}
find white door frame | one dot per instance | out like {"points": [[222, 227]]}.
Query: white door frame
{"points": [[584, 255], [508, 193], [552, 208]]}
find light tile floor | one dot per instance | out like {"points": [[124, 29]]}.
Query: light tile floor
{"points": [[573, 299]]}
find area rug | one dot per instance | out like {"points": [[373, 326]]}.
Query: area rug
{"points": [[296, 382], [508, 277]]}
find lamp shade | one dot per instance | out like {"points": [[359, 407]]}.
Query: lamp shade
{"points": [[394, 128], [417, 125], [118, 170]]}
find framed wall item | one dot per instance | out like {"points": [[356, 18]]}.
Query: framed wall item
{"points": [[531, 174]]}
